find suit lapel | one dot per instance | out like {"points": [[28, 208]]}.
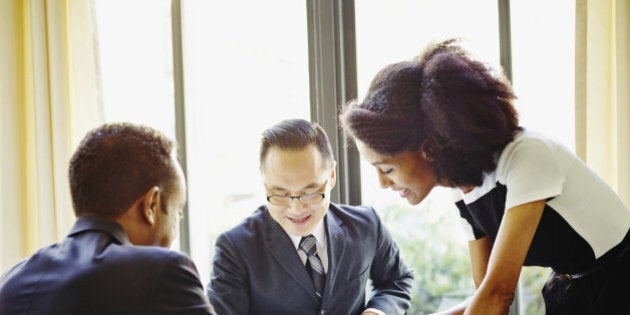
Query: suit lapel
{"points": [[336, 250], [281, 248]]}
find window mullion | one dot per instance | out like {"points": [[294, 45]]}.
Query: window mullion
{"points": [[333, 81], [180, 116]]}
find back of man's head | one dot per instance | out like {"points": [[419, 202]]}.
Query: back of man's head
{"points": [[117, 163]]}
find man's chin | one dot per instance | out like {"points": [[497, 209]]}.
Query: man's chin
{"points": [[299, 228]]}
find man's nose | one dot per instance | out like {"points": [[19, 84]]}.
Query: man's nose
{"points": [[296, 205]]}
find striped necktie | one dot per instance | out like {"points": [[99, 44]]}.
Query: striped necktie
{"points": [[314, 265]]}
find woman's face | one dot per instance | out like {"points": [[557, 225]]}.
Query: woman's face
{"points": [[408, 173]]}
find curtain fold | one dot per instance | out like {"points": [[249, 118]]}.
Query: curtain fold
{"points": [[49, 90], [601, 83]]}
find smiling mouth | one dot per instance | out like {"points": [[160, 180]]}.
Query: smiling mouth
{"points": [[300, 221]]}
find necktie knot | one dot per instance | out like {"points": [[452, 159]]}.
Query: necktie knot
{"points": [[308, 245]]}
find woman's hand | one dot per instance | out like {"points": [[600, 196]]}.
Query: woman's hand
{"points": [[496, 291]]}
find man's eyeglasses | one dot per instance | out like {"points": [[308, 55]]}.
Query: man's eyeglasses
{"points": [[307, 199]]}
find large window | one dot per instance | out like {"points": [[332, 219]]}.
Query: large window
{"points": [[543, 48], [136, 62], [430, 235], [543, 71], [246, 68], [241, 73], [245, 65]]}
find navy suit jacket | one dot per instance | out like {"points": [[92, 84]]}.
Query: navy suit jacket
{"points": [[96, 270], [257, 270]]}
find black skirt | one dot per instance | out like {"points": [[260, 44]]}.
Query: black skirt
{"points": [[602, 289]]}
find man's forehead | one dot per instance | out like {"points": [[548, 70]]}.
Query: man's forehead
{"points": [[284, 187]]}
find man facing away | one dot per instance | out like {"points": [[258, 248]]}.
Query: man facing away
{"points": [[128, 192], [300, 253]]}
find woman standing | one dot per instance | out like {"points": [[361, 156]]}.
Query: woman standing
{"points": [[447, 119]]}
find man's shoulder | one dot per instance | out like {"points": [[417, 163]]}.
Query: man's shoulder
{"points": [[100, 246], [148, 251], [75, 261], [354, 214], [133, 257], [250, 227], [84, 282]]}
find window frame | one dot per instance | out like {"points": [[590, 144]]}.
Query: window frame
{"points": [[332, 82]]}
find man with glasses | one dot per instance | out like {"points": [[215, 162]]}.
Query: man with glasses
{"points": [[300, 253]]}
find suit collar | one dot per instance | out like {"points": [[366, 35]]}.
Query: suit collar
{"points": [[109, 226], [282, 249], [319, 233], [336, 249]]}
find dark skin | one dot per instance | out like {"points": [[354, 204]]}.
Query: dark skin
{"points": [[496, 266], [153, 220]]}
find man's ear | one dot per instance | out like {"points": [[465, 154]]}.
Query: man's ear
{"points": [[333, 175], [151, 205]]}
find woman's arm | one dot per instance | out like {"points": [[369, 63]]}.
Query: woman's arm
{"points": [[479, 256], [496, 291]]}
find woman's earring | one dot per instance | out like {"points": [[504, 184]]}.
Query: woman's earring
{"points": [[426, 156], [426, 149]]}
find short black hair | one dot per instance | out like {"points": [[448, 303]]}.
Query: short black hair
{"points": [[295, 134], [115, 164]]}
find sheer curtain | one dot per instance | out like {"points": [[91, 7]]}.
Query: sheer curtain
{"points": [[49, 98], [602, 84]]}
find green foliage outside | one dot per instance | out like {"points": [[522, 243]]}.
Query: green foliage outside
{"points": [[438, 253], [532, 281]]}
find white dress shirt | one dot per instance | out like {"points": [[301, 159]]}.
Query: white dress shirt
{"points": [[322, 250]]}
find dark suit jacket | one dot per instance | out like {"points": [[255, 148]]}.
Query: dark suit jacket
{"points": [[257, 269], [96, 270]]}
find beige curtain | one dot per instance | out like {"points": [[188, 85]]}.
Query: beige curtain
{"points": [[602, 89], [49, 98]]}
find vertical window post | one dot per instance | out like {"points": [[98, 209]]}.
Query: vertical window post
{"points": [[505, 46], [333, 81], [180, 113]]}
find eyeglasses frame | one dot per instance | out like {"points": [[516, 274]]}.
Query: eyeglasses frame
{"points": [[299, 198]]}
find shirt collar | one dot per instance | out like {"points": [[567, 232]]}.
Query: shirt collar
{"points": [[98, 223], [319, 232]]}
